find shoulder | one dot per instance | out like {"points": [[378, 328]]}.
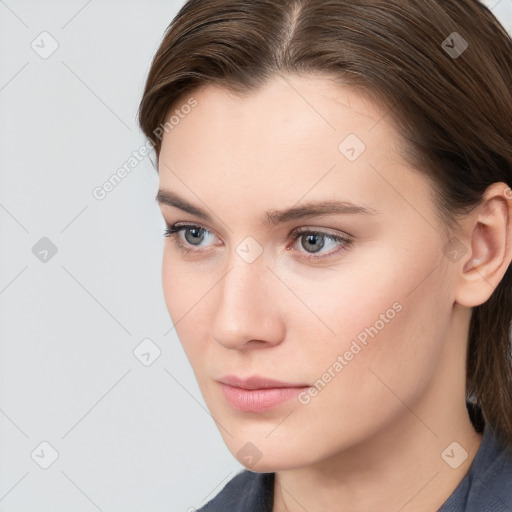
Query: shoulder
{"points": [[488, 483], [247, 491], [492, 486]]}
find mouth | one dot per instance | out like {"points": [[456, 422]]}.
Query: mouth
{"points": [[258, 394]]}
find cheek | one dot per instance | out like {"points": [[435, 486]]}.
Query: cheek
{"points": [[380, 309], [390, 322], [182, 297], [190, 295], [184, 285]]}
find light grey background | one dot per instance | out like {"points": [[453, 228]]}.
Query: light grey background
{"points": [[129, 437]]}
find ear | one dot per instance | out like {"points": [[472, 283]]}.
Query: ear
{"points": [[488, 237]]}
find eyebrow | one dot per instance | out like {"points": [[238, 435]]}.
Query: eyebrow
{"points": [[272, 217]]}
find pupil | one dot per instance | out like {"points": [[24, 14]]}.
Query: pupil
{"points": [[196, 235], [311, 240]]}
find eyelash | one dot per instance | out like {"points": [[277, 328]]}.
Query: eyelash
{"points": [[172, 230]]}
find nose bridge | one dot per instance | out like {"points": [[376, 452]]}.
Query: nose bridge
{"points": [[245, 283], [242, 311]]}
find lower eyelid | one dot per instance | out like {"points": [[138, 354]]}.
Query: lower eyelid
{"points": [[344, 242]]}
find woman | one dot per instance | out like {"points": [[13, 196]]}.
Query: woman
{"points": [[335, 177]]}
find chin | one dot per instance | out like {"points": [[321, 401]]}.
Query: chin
{"points": [[268, 457]]}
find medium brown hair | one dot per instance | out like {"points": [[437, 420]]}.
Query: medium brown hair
{"points": [[454, 111]]}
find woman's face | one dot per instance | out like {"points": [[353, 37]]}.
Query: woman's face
{"points": [[363, 328]]}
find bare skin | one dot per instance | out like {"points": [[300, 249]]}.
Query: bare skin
{"points": [[373, 437]]}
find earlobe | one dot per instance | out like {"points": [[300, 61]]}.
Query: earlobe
{"points": [[489, 240]]}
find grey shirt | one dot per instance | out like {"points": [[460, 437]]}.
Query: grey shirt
{"points": [[486, 486]]}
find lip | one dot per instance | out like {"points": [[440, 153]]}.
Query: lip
{"points": [[257, 382], [258, 394]]}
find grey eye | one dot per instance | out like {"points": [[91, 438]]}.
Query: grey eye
{"points": [[312, 241], [197, 236]]}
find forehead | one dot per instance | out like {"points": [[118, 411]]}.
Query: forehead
{"points": [[289, 117], [285, 97], [297, 138]]}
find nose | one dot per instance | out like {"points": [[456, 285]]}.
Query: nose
{"points": [[248, 311]]}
